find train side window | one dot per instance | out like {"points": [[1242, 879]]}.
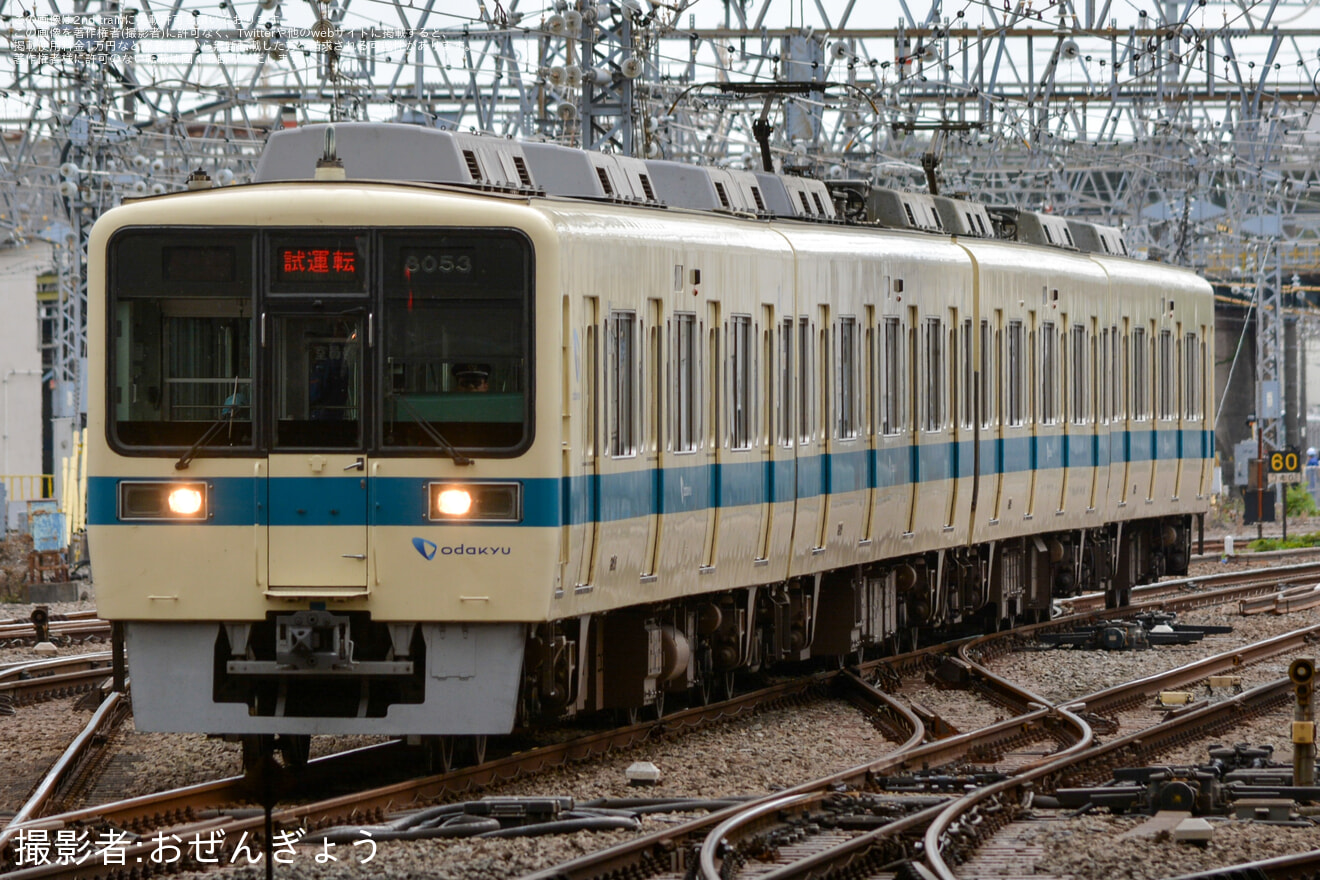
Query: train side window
{"points": [[1049, 371], [1193, 356], [806, 401], [740, 381], [969, 399], [1116, 376], [891, 384], [1140, 387], [687, 391], [1016, 361], [1166, 379], [1079, 375], [846, 378], [1103, 386], [621, 383], [784, 422], [934, 368]]}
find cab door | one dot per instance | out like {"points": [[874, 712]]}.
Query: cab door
{"points": [[317, 536]]}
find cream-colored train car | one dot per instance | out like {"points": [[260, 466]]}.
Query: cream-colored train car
{"points": [[436, 434]]}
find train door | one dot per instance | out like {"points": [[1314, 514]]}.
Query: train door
{"points": [[586, 489], [652, 442], [1128, 402], [765, 428], [824, 385], [810, 463], [913, 421], [316, 360], [990, 413], [1034, 396], [713, 456], [1098, 408]]}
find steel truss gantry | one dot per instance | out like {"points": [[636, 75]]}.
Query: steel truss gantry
{"points": [[1188, 124]]}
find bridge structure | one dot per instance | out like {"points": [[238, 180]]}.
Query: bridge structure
{"points": [[1188, 123]]}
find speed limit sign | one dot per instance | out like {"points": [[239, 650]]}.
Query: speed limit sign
{"points": [[1285, 466]]}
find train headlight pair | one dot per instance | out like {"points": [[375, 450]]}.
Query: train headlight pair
{"points": [[162, 500], [485, 502]]}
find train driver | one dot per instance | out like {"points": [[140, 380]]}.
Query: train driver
{"points": [[472, 377]]}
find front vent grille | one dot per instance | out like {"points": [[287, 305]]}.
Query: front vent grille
{"points": [[724, 196], [523, 174], [604, 181], [473, 168]]}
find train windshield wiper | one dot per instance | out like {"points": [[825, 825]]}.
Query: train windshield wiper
{"points": [[202, 441], [430, 431], [231, 406]]}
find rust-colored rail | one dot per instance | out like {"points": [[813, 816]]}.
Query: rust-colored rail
{"points": [[105, 719], [1215, 588], [53, 679]]}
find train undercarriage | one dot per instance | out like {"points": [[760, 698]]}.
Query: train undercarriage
{"points": [[632, 660], [636, 660]]}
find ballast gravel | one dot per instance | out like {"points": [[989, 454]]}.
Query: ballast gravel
{"points": [[752, 755]]}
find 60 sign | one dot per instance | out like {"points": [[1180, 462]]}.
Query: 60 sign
{"points": [[1286, 462]]}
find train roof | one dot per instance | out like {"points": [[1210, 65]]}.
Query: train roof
{"points": [[378, 151]]}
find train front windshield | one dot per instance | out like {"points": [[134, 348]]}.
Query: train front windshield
{"points": [[402, 341]]}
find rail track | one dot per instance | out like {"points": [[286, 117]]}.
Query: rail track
{"points": [[1202, 590], [42, 680], [76, 628], [853, 824], [809, 825]]}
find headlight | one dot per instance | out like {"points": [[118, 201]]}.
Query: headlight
{"points": [[453, 502], [162, 500], [185, 501], [486, 502]]}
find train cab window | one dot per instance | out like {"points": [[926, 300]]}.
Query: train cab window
{"points": [[1014, 397], [180, 340], [456, 340], [317, 370]]}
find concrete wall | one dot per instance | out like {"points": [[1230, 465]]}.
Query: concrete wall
{"points": [[20, 359]]}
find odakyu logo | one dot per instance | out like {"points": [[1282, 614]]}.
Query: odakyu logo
{"points": [[429, 549]]}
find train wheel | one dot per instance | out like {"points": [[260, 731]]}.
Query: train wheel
{"points": [[256, 749], [728, 685], [440, 754], [659, 705], [295, 749], [479, 749]]}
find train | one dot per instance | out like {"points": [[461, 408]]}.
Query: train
{"points": [[441, 435]]}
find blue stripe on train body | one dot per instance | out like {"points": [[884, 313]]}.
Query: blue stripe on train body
{"points": [[552, 501]]}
